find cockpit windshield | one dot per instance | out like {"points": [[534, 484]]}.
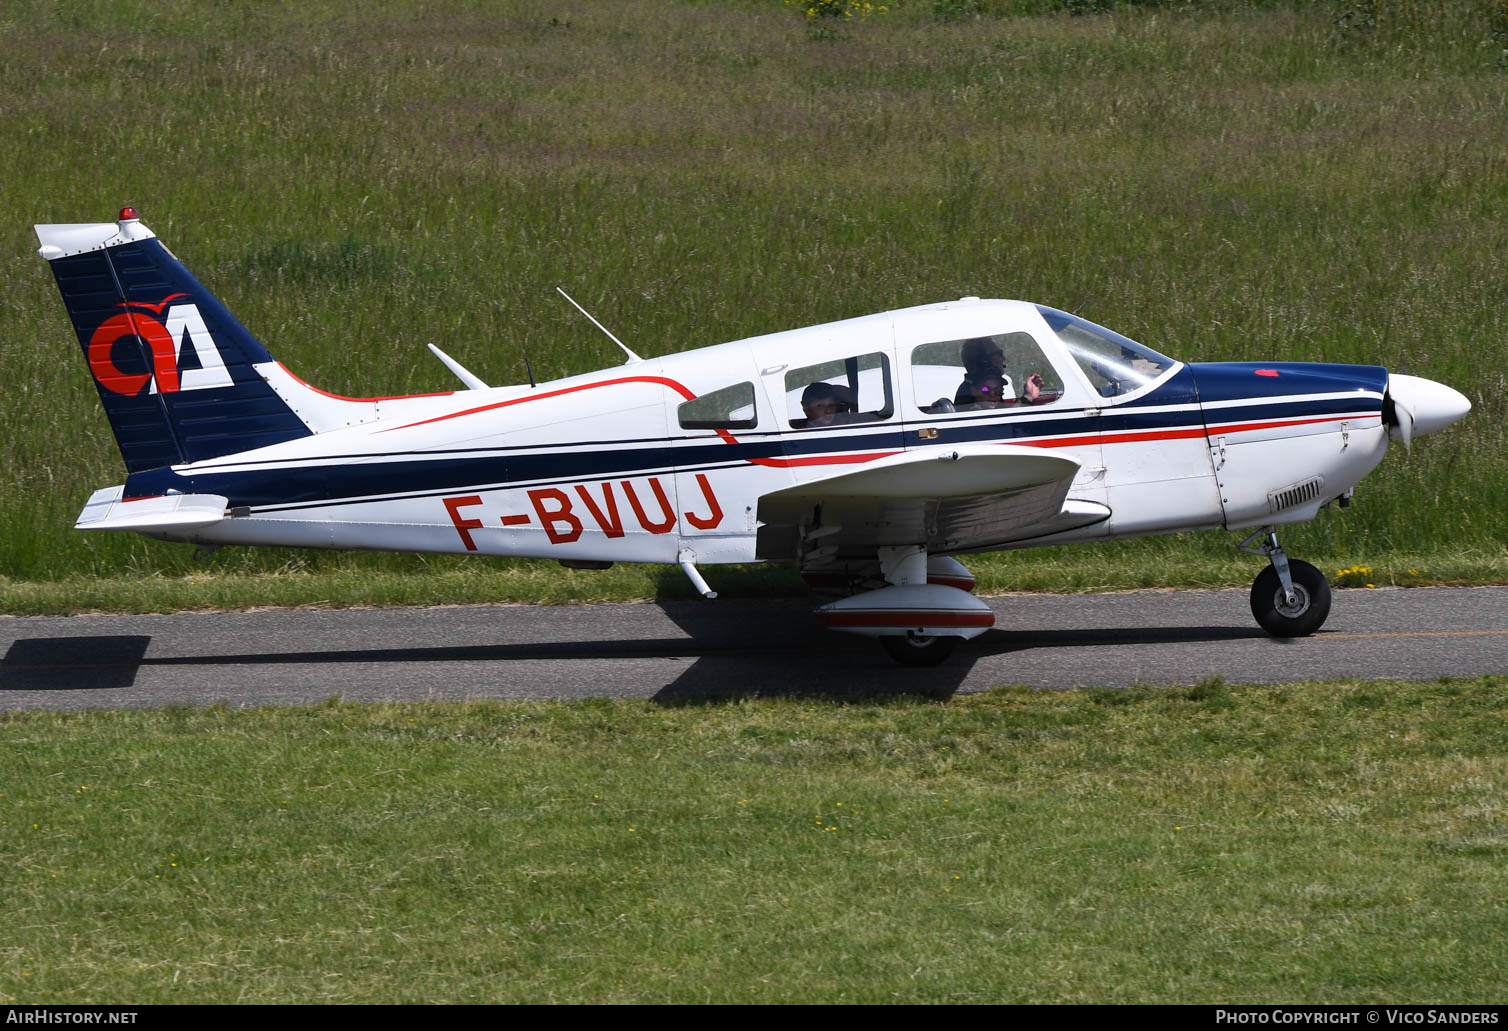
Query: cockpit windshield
{"points": [[1114, 364]]}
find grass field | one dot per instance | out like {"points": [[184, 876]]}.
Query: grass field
{"points": [[1220, 180], [1340, 843]]}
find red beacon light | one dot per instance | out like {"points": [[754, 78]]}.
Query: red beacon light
{"points": [[127, 214]]}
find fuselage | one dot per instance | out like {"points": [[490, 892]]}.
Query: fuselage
{"points": [[642, 461]]}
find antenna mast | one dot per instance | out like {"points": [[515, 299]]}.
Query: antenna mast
{"points": [[631, 356]]}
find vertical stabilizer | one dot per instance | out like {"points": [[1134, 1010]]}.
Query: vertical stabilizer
{"points": [[176, 372]]}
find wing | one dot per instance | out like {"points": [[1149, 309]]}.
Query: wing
{"points": [[969, 498]]}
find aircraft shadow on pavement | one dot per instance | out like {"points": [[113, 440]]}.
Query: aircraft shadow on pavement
{"points": [[801, 659], [767, 654], [73, 663], [714, 671]]}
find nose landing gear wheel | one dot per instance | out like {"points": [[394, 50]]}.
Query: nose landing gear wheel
{"points": [[919, 651], [1310, 606]]}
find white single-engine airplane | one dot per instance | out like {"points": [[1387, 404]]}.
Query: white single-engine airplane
{"points": [[868, 451]]}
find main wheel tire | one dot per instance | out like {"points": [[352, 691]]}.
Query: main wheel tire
{"points": [[1306, 615], [919, 651]]}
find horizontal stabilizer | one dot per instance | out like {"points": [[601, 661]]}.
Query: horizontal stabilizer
{"points": [[106, 510]]}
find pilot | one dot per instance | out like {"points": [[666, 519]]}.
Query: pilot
{"points": [[983, 362], [992, 392], [823, 402]]}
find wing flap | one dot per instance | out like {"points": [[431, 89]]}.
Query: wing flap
{"points": [[956, 473], [971, 497]]}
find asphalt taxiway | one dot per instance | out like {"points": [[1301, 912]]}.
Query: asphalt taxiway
{"points": [[689, 651]]}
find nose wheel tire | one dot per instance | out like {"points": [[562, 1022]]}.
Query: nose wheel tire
{"points": [[1310, 606], [919, 651]]}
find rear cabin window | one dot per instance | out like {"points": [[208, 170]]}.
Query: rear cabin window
{"points": [[731, 408], [839, 392], [981, 374]]}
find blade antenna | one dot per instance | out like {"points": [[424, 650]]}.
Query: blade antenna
{"points": [[462, 373], [631, 356]]}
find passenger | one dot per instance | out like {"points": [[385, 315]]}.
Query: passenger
{"points": [[823, 402]]}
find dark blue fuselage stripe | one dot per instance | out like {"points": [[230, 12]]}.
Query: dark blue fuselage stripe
{"points": [[473, 488], [404, 476]]}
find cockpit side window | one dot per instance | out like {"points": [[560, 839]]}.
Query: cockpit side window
{"points": [[839, 392], [984, 373], [731, 408], [1115, 364]]}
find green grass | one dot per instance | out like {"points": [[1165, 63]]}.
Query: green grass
{"points": [[1222, 181], [1308, 843], [345, 581]]}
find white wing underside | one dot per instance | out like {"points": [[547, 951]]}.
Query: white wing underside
{"points": [[971, 497]]}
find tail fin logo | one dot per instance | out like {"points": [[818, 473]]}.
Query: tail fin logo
{"points": [[164, 337]]}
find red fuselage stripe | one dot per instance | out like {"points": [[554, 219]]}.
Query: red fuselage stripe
{"points": [[787, 463], [679, 388], [1180, 434], [1243, 427], [1077, 440], [359, 400]]}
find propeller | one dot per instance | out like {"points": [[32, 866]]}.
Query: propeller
{"points": [[1399, 419], [1414, 406]]}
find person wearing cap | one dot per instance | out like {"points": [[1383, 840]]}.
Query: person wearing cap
{"points": [[984, 368], [992, 392], [823, 402]]}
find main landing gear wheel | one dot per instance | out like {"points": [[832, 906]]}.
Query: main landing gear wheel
{"points": [[911, 650], [1311, 600]]}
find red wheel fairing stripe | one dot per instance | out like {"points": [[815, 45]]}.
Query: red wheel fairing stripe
{"points": [[927, 619]]}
